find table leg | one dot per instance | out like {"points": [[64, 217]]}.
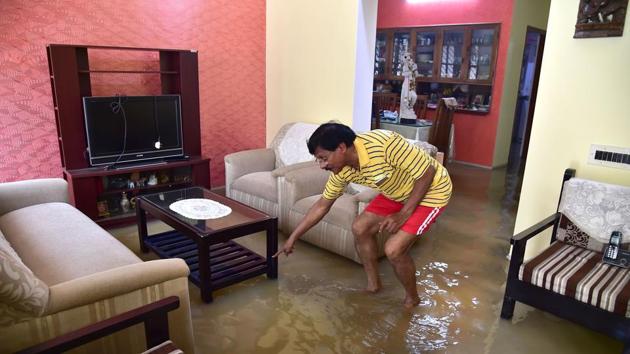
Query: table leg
{"points": [[272, 248], [205, 280], [141, 217]]}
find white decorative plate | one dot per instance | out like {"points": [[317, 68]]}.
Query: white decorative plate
{"points": [[200, 209]]}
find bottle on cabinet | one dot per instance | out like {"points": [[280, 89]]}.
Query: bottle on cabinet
{"points": [[124, 203]]}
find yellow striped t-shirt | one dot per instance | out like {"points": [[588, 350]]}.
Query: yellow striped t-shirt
{"points": [[390, 164]]}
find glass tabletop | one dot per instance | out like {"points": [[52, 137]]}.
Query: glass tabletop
{"points": [[241, 214]]}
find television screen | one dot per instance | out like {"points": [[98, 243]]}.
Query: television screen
{"points": [[132, 128]]}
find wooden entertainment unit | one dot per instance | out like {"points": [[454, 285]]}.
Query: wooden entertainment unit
{"points": [[98, 191]]}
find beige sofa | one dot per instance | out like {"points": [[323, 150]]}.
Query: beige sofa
{"points": [[303, 187], [60, 271]]}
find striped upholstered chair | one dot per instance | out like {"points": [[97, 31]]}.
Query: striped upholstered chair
{"points": [[569, 278]]}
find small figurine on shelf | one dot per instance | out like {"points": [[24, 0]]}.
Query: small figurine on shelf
{"points": [[135, 177], [163, 177], [408, 95], [124, 203], [152, 180], [103, 209]]}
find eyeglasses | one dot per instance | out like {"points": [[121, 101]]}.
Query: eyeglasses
{"points": [[324, 159], [321, 159]]}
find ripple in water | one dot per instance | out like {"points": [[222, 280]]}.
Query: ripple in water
{"points": [[431, 329]]}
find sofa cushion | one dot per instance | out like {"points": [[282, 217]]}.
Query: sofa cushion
{"points": [[579, 273], [289, 144], [58, 243], [262, 184], [341, 214], [22, 294], [6, 247]]}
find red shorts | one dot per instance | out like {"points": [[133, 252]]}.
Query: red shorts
{"points": [[417, 224]]}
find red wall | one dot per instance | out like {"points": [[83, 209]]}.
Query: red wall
{"points": [[230, 38], [474, 134]]}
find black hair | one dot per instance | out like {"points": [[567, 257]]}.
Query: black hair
{"points": [[329, 135]]}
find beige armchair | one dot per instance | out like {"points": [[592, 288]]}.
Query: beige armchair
{"points": [[254, 177], [303, 187]]}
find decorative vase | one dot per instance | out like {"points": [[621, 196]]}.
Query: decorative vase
{"points": [[124, 203]]}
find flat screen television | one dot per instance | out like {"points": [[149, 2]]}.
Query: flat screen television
{"points": [[128, 129]]}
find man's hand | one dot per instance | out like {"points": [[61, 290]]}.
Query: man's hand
{"points": [[287, 249], [393, 222]]}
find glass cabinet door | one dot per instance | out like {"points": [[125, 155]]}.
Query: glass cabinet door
{"points": [[381, 52], [481, 50], [452, 51], [402, 45], [425, 53]]}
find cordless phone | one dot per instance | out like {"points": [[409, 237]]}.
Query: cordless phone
{"points": [[614, 254], [612, 251]]}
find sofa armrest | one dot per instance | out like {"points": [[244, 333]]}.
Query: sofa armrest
{"points": [[282, 171], [245, 162], [107, 284], [366, 196], [304, 182], [154, 316], [20, 194]]}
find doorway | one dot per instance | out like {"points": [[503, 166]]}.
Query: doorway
{"points": [[526, 99]]}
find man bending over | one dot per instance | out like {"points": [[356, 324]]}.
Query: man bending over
{"points": [[414, 189]]}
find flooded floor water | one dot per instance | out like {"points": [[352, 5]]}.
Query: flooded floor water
{"points": [[317, 304]]}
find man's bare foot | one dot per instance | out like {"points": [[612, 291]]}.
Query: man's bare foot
{"points": [[373, 288], [411, 302]]}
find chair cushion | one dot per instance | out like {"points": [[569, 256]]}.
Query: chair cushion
{"points": [[569, 233], [262, 184], [341, 214], [58, 243], [580, 274], [597, 209], [289, 144], [22, 294]]}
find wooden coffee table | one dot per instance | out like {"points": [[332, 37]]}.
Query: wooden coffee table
{"points": [[215, 261]]}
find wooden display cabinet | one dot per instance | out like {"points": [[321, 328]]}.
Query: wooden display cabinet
{"points": [[446, 56], [71, 80]]}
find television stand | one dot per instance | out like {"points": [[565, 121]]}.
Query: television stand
{"points": [[97, 192], [134, 166]]}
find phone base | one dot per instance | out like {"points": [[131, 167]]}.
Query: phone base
{"points": [[622, 260]]}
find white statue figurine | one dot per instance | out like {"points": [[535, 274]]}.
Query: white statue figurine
{"points": [[408, 93]]}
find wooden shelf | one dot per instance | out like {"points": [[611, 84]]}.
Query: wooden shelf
{"points": [[464, 110], [128, 72], [72, 46], [229, 261], [148, 189], [102, 171]]}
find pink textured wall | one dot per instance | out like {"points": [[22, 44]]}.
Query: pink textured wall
{"points": [[230, 38], [474, 134]]}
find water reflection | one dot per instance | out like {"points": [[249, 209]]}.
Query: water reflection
{"points": [[316, 315]]}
